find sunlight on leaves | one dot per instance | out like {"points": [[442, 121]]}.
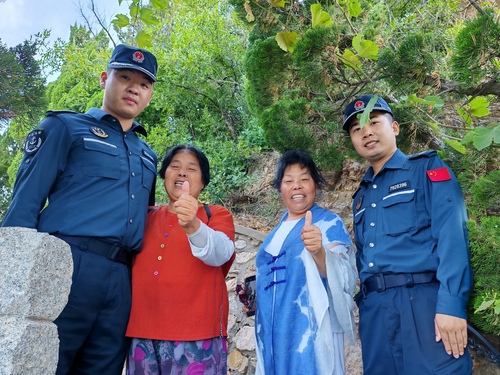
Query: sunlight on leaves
{"points": [[159, 4], [320, 17], [134, 10], [351, 60], [354, 8], [147, 16], [277, 3], [365, 48], [143, 39], [287, 40], [479, 106], [121, 20]]}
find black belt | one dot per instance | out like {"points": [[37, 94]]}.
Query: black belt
{"points": [[380, 282], [112, 251]]}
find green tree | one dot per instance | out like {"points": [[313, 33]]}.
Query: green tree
{"points": [[414, 54], [199, 98], [22, 102], [21, 82]]}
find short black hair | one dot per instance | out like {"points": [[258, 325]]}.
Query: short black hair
{"points": [[302, 158], [202, 160]]}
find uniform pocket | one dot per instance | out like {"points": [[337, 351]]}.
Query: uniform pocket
{"points": [[399, 212], [101, 159]]}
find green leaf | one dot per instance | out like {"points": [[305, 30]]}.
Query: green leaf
{"points": [[464, 116], [479, 106], [134, 10], [365, 48], [287, 40], [485, 305], [482, 137], [480, 112], [435, 101], [320, 17], [457, 146], [278, 3], [121, 20], [434, 125], [351, 60], [147, 16], [413, 98], [354, 8], [249, 17], [143, 39], [469, 137], [159, 4], [364, 118]]}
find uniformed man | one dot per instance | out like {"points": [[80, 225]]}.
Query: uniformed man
{"points": [[98, 177], [412, 253]]}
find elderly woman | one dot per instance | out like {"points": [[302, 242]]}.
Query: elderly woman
{"points": [[178, 321], [306, 275]]}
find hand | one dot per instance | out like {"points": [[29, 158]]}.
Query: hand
{"points": [[242, 296], [311, 235], [185, 208], [453, 332], [313, 242]]}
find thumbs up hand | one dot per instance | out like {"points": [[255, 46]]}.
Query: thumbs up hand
{"points": [[311, 235], [185, 208]]}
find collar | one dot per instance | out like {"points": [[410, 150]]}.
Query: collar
{"points": [[396, 161], [100, 115]]}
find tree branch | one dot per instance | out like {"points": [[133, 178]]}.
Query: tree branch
{"points": [[478, 8], [490, 87]]}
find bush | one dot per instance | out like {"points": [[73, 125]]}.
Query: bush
{"points": [[485, 257]]}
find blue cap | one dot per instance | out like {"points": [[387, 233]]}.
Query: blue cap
{"points": [[358, 105], [127, 57]]}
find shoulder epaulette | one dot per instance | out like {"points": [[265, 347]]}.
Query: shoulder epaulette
{"points": [[426, 154], [54, 113]]}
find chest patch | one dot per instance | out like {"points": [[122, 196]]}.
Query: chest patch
{"points": [[34, 141], [99, 132], [399, 186]]}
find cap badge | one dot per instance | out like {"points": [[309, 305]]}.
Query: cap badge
{"points": [[138, 56], [359, 105], [99, 132]]}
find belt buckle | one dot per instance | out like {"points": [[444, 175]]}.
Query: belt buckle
{"points": [[409, 283], [380, 282], [114, 251]]}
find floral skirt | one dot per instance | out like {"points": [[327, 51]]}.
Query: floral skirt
{"points": [[157, 357]]}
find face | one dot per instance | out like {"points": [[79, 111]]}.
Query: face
{"points": [[126, 93], [376, 141], [298, 191], [183, 167]]}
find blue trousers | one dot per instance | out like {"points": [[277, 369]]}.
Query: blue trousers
{"points": [[397, 334], [92, 325]]}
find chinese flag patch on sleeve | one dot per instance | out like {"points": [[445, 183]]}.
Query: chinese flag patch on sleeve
{"points": [[440, 174]]}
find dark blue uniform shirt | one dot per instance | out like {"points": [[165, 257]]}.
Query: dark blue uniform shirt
{"points": [[406, 223], [96, 177]]}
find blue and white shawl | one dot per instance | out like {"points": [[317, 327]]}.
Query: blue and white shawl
{"points": [[298, 311]]}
